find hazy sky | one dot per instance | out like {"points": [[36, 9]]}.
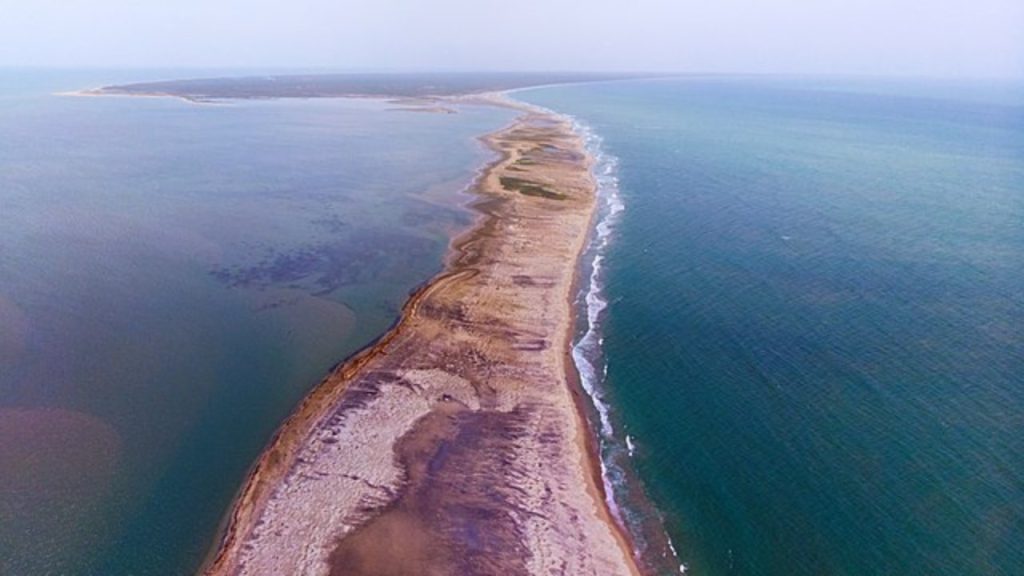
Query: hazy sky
{"points": [[914, 37]]}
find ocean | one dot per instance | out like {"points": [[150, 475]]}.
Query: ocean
{"points": [[174, 278], [802, 319]]}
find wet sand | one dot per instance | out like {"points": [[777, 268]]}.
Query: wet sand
{"points": [[456, 444]]}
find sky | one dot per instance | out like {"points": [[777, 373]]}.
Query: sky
{"points": [[938, 38]]}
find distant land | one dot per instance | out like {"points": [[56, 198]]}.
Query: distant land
{"points": [[411, 85]]}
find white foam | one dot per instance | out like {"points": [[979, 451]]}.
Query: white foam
{"points": [[588, 346], [682, 567], [605, 172]]}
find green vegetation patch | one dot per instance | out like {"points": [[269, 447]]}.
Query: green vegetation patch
{"points": [[527, 188]]}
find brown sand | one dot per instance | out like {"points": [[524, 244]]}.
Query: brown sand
{"points": [[454, 445]]}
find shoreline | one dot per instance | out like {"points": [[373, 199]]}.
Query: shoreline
{"points": [[631, 509], [103, 92], [276, 466], [588, 436]]}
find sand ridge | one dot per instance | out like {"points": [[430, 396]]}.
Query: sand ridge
{"points": [[454, 444]]}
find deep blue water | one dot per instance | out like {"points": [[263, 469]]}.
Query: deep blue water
{"points": [[173, 279], [815, 331]]}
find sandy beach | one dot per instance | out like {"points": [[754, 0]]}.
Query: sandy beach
{"points": [[455, 444]]}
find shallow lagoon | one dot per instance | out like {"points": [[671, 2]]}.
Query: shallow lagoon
{"points": [[173, 278]]}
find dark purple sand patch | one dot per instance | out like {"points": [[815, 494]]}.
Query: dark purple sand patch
{"points": [[457, 513]]}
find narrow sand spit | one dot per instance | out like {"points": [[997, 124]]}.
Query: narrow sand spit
{"points": [[455, 444]]}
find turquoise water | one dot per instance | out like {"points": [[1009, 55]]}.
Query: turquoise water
{"points": [[173, 279], [815, 326]]}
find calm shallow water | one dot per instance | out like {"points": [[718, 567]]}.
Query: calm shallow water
{"points": [[173, 279], [814, 333]]}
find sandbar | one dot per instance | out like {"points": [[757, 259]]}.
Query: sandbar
{"points": [[456, 444]]}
